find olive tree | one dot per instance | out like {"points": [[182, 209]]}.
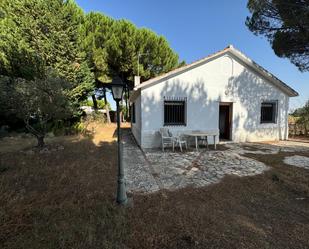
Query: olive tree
{"points": [[37, 102]]}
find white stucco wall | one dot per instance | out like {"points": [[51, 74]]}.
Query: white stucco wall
{"points": [[136, 127], [224, 79]]}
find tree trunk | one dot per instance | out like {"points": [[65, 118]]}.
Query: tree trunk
{"points": [[40, 141], [126, 97], [129, 111], [95, 103], [108, 118], [35, 133]]}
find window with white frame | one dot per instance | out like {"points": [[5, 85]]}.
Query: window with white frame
{"points": [[175, 111]]}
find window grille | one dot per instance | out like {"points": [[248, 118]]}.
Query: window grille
{"points": [[269, 112], [175, 110]]}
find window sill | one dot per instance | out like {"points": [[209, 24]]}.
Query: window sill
{"points": [[268, 122], [174, 125]]}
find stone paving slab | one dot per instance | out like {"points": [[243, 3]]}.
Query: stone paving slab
{"points": [[298, 161]]}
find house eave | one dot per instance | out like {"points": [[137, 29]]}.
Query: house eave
{"points": [[266, 74], [230, 49]]}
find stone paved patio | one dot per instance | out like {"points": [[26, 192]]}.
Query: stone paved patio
{"points": [[178, 170], [137, 170], [267, 148], [152, 170], [298, 161]]}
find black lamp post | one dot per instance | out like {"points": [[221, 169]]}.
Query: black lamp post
{"points": [[117, 91]]}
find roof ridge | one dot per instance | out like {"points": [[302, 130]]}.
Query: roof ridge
{"points": [[240, 55]]}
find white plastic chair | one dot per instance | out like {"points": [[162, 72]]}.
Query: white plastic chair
{"points": [[167, 138], [181, 140]]}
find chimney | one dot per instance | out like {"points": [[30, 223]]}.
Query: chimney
{"points": [[137, 80]]}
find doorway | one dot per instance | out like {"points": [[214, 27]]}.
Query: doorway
{"points": [[225, 120]]}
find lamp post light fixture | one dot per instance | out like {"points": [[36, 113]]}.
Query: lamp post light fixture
{"points": [[117, 91]]}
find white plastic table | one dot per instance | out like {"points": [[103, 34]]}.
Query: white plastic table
{"points": [[206, 134]]}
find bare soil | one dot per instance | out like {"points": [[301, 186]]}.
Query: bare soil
{"points": [[298, 138], [66, 199]]}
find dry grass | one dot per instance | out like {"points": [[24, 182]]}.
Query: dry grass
{"points": [[264, 211], [65, 199], [62, 199]]}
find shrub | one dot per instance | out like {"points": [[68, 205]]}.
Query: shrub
{"points": [[101, 103]]}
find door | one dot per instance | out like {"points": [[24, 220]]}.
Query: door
{"points": [[225, 115]]}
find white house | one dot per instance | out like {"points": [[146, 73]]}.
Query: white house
{"points": [[225, 91]]}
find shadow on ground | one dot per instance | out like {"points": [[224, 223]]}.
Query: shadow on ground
{"points": [[65, 199], [270, 210]]}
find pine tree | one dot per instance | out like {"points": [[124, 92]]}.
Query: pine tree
{"points": [[285, 23], [113, 47]]}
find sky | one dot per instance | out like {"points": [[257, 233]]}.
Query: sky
{"points": [[198, 28]]}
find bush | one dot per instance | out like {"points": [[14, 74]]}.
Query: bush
{"points": [[87, 102], [63, 128], [101, 103], [95, 117], [78, 128]]}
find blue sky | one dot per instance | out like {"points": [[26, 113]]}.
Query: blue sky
{"points": [[197, 28]]}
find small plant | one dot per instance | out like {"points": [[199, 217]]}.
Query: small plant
{"points": [[275, 178], [3, 168]]}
